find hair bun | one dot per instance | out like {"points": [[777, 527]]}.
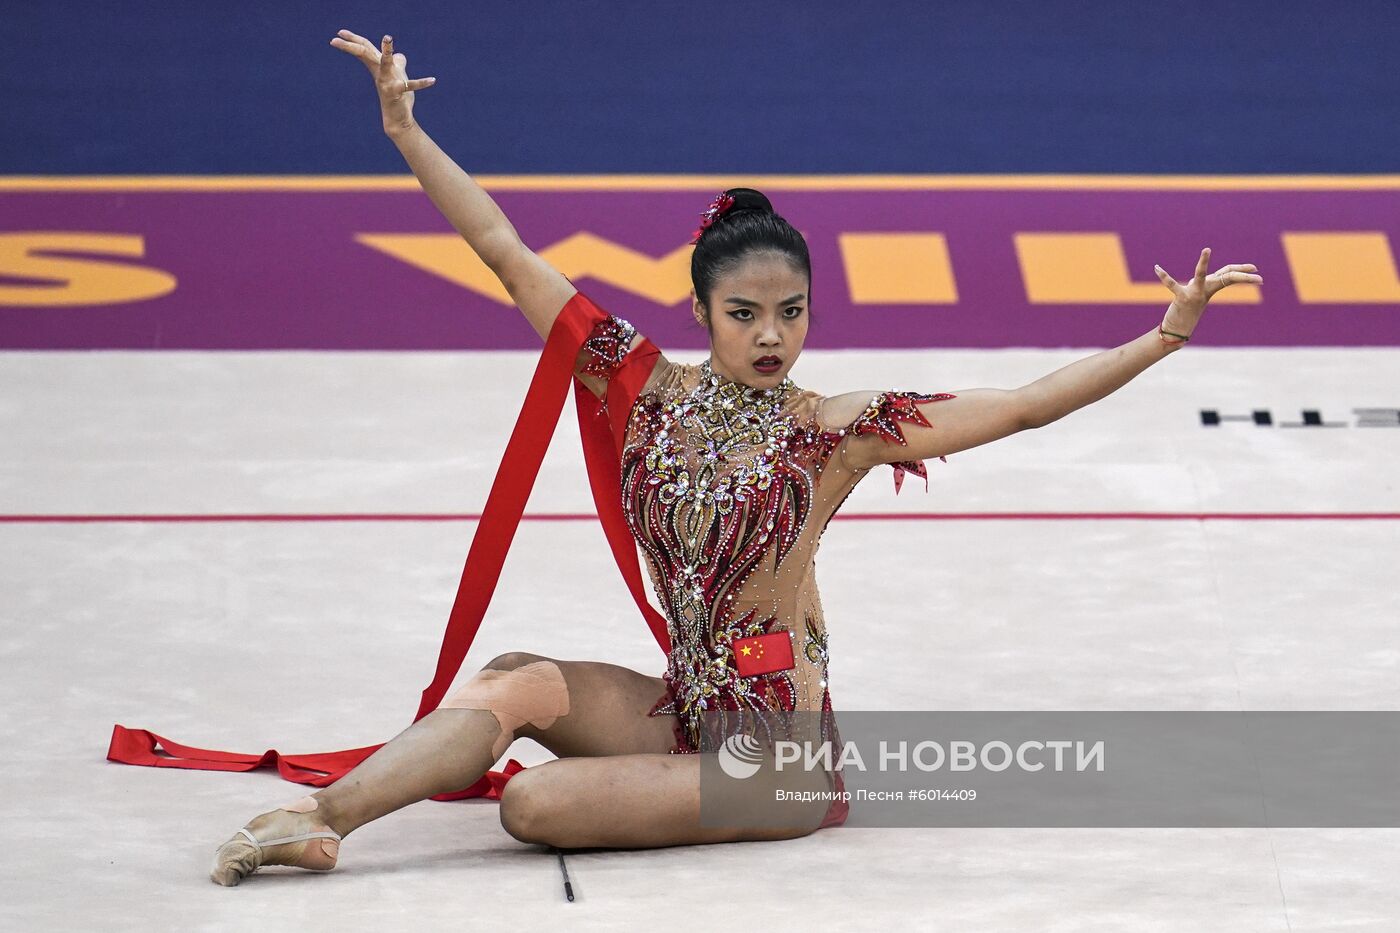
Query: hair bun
{"points": [[728, 203], [749, 199]]}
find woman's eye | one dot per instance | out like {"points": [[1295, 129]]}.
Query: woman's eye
{"points": [[742, 314], [792, 312]]}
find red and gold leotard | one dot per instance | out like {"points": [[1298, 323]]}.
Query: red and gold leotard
{"points": [[727, 489]]}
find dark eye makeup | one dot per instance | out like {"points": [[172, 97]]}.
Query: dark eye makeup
{"points": [[791, 313]]}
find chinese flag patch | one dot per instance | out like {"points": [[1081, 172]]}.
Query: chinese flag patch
{"points": [[763, 654]]}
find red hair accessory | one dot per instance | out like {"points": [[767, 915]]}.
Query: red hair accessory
{"points": [[709, 215]]}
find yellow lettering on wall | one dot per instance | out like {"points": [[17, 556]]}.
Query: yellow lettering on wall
{"points": [[446, 255], [898, 268], [1342, 268], [64, 281], [1090, 268], [665, 280]]}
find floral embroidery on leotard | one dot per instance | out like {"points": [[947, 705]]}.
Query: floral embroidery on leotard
{"points": [[721, 483], [815, 646], [606, 347], [888, 410], [883, 417], [710, 490]]}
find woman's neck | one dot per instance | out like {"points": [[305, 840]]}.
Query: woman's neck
{"points": [[719, 380]]}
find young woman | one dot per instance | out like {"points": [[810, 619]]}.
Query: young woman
{"points": [[729, 474]]}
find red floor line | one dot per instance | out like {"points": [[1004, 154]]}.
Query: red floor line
{"points": [[588, 516]]}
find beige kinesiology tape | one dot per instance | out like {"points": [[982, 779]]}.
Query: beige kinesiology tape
{"points": [[534, 693]]}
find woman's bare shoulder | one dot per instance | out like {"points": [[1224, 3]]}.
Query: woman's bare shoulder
{"points": [[830, 412], [669, 377]]}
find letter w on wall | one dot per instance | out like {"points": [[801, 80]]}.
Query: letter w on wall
{"points": [[664, 280]]}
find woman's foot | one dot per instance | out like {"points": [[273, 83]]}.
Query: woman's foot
{"points": [[292, 835]]}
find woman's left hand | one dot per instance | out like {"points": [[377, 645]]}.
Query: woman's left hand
{"points": [[1189, 300]]}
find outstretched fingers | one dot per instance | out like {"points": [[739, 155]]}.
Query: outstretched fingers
{"points": [[1236, 274], [1166, 279], [388, 66], [417, 84], [1240, 273], [368, 56], [393, 70], [358, 46], [1202, 267], [386, 58], [357, 39]]}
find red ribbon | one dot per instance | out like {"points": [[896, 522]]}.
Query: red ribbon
{"points": [[602, 424]]}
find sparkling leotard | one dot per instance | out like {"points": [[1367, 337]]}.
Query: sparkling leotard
{"points": [[727, 489]]}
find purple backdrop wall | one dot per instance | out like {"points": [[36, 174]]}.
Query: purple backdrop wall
{"points": [[281, 269]]}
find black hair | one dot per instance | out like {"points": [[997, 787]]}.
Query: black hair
{"points": [[749, 226]]}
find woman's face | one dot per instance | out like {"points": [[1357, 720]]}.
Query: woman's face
{"points": [[757, 320]]}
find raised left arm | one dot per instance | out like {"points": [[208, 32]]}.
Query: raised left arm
{"points": [[973, 417]]}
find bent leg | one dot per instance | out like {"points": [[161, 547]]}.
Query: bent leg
{"points": [[607, 715], [646, 801], [570, 707], [534, 694]]}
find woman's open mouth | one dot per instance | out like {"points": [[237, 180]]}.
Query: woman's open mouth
{"points": [[768, 365]]}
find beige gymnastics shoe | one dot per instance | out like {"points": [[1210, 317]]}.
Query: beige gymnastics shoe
{"points": [[245, 853]]}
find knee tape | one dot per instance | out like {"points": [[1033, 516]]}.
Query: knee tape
{"points": [[534, 693]]}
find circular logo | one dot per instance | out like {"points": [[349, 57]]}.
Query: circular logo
{"points": [[740, 755]]}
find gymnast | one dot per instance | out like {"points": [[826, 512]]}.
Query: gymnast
{"points": [[729, 475]]}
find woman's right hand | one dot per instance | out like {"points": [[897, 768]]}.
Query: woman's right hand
{"points": [[390, 78]]}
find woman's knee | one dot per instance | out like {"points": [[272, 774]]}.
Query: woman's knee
{"points": [[791, 806], [526, 693], [512, 660], [804, 823], [525, 804]]}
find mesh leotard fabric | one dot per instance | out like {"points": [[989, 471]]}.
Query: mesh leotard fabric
{"points": [[727, 490]]}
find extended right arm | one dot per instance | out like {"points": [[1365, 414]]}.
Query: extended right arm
{"points": [[538, 290]]}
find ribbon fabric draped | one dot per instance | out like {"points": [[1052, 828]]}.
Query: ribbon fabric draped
{"points": [[602, 426]]}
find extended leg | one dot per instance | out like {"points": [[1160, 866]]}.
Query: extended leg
{"points": [[453, 746], [571, 707]]}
